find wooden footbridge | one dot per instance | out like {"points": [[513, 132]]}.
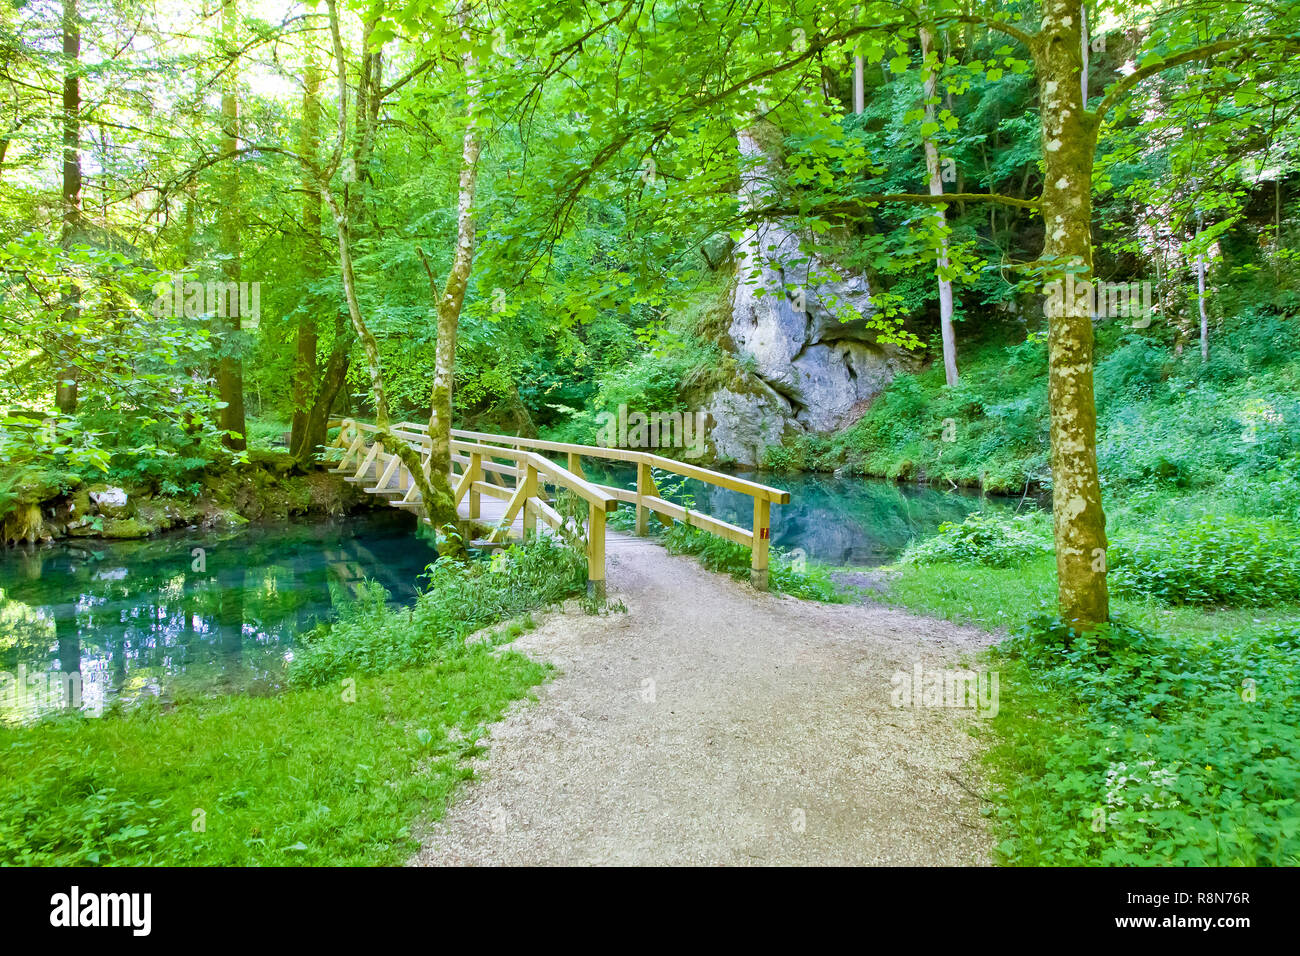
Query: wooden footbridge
{"points": [[508, 483]]}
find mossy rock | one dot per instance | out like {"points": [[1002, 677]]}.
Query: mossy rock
{"points": [[270, 486], [126, 528], [106, 507], [80, 503], [276, 462], [25, 523]]}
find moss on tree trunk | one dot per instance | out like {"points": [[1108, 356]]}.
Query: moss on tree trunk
{"points": [[1069, 135], [440, 507]]}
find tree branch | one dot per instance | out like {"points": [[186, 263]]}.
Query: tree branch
{"points": [[1125, 85], [1000, 26], [396, 85], [856, 207]]}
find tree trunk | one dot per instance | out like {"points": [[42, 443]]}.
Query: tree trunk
{"points": [[1069, 141], [230, 367], [346, 210], [302, 444], [941, 223], [1200, 297], [442, 510], [65, 387], [343, 213], [331, 382], [369, 343]]}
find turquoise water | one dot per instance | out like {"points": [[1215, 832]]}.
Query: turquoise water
{"points": [[158, 617], [137, 618], [855, 522], [858, 522]]}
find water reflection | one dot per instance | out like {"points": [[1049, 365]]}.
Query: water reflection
{"points": [[217, 613], [855, 522], [205, 612]]}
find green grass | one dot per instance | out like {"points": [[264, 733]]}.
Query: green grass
{"points": [[1079, 728], [992, 598], [386, 708], [1000, 599], [803, 580], [335, 775]]}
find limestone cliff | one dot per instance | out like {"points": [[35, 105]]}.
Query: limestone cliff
{"points": [[803, 367]]}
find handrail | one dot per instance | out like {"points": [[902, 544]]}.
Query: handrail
{"points": [[751, 488], [472, 452], [591, 493]]}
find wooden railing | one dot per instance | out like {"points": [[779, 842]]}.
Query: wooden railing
{"points": [[481, 463]]}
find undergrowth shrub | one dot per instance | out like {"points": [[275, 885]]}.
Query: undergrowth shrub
{"points": [[1275, 492], [1266, 338], [798, 578], [1214, 560], [1123, 747], [987, 538], [1131, 372], [70, 809], [370, 636], [42, 458]]}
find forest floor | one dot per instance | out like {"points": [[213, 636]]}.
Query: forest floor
{"points": [[713, 724]]}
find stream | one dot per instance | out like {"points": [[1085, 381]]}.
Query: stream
{"points": [[218, 611]]}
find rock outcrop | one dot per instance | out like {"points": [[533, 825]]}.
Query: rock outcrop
{"points": [[268, 487], [802, 337]]}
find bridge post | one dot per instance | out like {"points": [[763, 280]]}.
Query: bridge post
{"points": [[476, 474], [645, 483], [762, 538], [529, 515], [596, 552], [363, 470]]}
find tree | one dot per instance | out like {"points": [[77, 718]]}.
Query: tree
{"points": [[737, 73], [65, 393], [352, 153], [942, 265], [1200, 295], [350, 157], [1070, 130], [230, 367], [452, 299], [314, 388]]}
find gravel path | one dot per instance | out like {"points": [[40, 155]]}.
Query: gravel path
{"points": [[712, 724]]}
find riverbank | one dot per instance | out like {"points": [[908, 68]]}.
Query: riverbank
{"points": [[269, 486], [1167, 422], [334, 775], [373, 725]]}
